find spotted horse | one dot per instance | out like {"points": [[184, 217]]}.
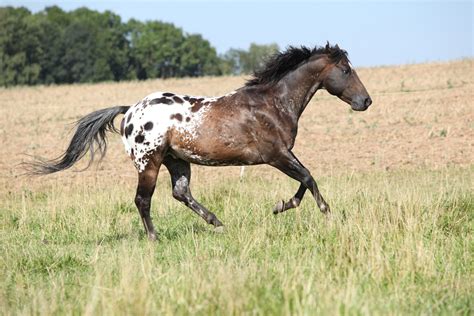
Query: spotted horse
{"points": [[255, 124]]}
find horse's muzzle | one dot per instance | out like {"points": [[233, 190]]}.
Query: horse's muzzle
{"points": [[361, 103]]}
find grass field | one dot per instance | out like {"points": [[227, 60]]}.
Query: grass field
{"points": [[399, 179]]}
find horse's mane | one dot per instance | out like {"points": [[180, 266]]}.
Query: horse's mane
{"points": [[281, 63]]}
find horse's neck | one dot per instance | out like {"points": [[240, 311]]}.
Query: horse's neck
{"points": [[296, 89]]}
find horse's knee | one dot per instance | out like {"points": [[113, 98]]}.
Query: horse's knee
{"points": [[142, 202]]}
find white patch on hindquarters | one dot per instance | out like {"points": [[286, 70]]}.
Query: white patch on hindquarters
{"points": [[147, 123]]}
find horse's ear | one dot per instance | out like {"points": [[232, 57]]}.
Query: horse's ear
{"points": [[337, 47]]}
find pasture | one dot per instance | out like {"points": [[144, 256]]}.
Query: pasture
{"points": [[398, 178]]}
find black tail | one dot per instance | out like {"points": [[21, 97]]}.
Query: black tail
{"points": [[91, 130]]}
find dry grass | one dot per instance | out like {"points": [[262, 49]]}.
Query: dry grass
{"points": [[422, 115], [398, 178]]}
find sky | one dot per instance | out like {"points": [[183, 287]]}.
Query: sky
{"points": [[373, 32]]}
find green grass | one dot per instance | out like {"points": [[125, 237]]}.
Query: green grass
{"points": [[398, 242]]}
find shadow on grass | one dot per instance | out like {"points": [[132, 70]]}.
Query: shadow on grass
{"points": [[183, 230], [111, 238]]}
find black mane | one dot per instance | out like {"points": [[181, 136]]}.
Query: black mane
{"points": [[281, 63]]}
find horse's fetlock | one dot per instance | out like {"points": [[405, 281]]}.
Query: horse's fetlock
{"points": [[296, 202], [324, 208], [179, 194], [212, 219]]}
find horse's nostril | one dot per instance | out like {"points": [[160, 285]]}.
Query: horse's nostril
{"points": [[368, 101]]}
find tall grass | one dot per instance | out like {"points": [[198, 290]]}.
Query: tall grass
{"points": [[397, 242]]}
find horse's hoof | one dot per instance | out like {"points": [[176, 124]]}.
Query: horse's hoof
{"points": [[152, 237], [219, 229], [325, 209], [279, 207]]}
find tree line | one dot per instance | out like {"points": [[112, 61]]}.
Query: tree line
{"points": [[54, 46]]}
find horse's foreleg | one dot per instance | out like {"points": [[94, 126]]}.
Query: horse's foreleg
{"points": [[145, 189], [180, 172], [291, 166], [292, 203]]}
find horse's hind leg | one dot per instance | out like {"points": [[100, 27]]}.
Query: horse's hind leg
{"points": [[146, 187], [291, 166], [180, 172]]}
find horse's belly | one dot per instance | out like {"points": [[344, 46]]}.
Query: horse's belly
{"points": [[209, 160], [210, 150]]}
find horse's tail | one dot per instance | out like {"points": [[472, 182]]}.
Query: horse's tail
{"points": [[90, 132]]}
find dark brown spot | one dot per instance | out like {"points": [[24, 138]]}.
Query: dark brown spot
{"points": [[146, 143], [177, 116], [177, 99], [192, 100], [200, 99], [186, 98], [139, 139], [196, 107], [128, 130], [122, 127], [129, 117], [161, 100], [148, 126], [188, 119], [168, 94]]}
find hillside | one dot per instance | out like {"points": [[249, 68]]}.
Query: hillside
{"points": [[422, 116]]}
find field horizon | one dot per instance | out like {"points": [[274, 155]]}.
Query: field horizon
{"points": [[398, 178]]}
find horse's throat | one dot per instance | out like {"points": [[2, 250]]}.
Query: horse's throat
{"points": [[309, 95]]}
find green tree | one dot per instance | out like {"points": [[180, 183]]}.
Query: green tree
{"points": [[53, 21], [54, 46], [115, 47], [19, 47], [156, 47], [256, 56], [79, 56], [238, 61], [198, 57], [96, 46], [231, 62]]}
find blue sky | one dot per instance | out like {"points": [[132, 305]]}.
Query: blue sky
{"points": [[373, 32]]}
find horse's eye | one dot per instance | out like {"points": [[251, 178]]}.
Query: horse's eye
{"points": [[346, 71]]}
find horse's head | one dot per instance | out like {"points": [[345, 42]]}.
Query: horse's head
{"points": [[341, 80]]}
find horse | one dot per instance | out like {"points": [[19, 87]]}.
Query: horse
{"points": [[255, 124]]}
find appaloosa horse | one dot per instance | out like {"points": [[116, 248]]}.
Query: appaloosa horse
{"points": [[255, 124]]}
